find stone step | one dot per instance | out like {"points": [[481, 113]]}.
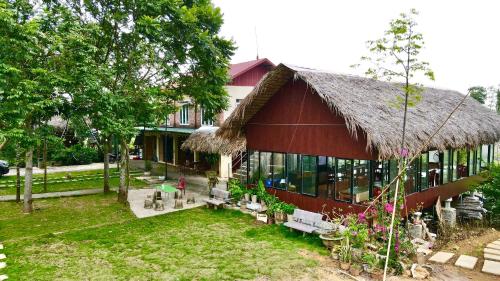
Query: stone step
{"points": [[492, 267], [466, 262], [3, 265], [491, 251], [2, 256], [4, 277], [441, 257], [493, 246], [496, 242], [491, 257], [1, 247]]}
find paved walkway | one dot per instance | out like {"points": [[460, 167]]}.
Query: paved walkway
{"points": [[5, 198], [74, 168]]}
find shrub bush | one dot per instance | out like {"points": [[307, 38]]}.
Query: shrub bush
{"points": [[76, 155]]}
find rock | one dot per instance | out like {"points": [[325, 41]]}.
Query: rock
{"points": [[418, 272], [441, 257]]}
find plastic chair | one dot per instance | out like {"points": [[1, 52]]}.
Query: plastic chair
{"points": [[181, 185]]}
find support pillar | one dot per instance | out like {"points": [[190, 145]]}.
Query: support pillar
{"points": [[157, 151], [174, 150], [225, 166]]}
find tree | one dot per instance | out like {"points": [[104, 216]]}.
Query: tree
{"points": [[396, 57], [478, 93], [29, 78], [140, 56]]}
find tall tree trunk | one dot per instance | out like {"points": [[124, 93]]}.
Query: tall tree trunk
{"points": [[123, 190], [28, 182], [44, 165], [106, 149], [18, 176]]}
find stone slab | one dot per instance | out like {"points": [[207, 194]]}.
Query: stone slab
{"points": [[3, 265], [425, 251], [491, 251], [466, 262], [493, 246], [3, 277], [2, 256], [492, 267], [491, 257], [441, 257], [496, 242], [1, 247]]}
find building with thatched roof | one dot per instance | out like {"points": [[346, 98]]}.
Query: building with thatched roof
{"points": [[172, 143], [322, 138]]}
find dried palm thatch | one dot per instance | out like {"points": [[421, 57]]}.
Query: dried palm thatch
{"points": [[204, 139], [367, 107]]}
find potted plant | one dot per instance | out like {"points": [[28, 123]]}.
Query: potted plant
{"points": [[279, 214], [331, 239], [355, 269], [288, 210], [345, 254]]}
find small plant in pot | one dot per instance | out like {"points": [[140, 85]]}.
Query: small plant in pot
{"points": [[345, 254], [355, 269], [279, 214], [288, 210]]}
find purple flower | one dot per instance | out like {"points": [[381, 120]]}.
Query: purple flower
{"points": [[389, 207], [361, 217], [354, 233], [404, 152]]}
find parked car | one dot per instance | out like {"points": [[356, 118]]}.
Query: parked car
{"points": [[4, 167]]}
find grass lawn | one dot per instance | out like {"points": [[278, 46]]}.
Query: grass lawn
{"points": [[66, 186], [95, 238]]}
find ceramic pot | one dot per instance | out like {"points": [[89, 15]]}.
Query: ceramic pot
{"points": [[355, 271]]}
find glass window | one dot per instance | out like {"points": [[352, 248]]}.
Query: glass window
{"points": [[434, 168], [478, 160], [293, 172], [461, 163], [184, 115], [446, 166], [454, 165], [378, 177], [324, 174], [471, 163], [411, 185], [265, 168], [484, 156], [205, 121], [278, 166], [393, 173], [343, 182], [253, 167], [424, 169], [492, 153], [361, 183], [309, 173]]}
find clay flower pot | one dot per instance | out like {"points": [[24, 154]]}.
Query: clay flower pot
{"points": [[345, 265], [355, 270]]}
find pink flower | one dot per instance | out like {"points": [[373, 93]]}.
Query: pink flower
{"points": [[361, 217], [404, 152], [389, 208], [354, 233]]}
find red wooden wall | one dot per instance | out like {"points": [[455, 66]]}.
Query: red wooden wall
{"points": [[252, 76], [296, 120]]}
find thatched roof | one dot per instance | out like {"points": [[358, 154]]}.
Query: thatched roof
{"points": [[204, 139], [366, 106]]}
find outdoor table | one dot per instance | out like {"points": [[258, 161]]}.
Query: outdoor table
{"points": [[167, 189]]}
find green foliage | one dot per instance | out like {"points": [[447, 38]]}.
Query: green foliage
{"points": [[395, 57], [491, 192], [345, 253], [148, 165], [357, 232], [236, 188], [478, 93], [77, 155]]}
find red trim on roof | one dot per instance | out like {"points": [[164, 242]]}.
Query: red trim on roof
{"points": [[240, 68]]}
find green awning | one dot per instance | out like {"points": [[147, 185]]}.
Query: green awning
{"points": [[168, 129]]}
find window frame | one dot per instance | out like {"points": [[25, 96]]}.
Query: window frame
{"points": [[184, 114], [203, 120]]}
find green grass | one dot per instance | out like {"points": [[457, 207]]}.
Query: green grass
{"points": [[95, 238], [67, 186]]}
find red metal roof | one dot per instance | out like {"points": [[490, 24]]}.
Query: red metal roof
{"points": [[240, 68]]}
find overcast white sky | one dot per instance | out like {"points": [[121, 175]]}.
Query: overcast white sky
{"points": [[462, 37]]}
